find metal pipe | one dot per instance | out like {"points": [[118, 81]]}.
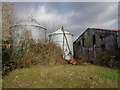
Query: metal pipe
{"points": [[65, 38]]}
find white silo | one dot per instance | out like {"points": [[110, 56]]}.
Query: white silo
{"points": [[34, 30], [58, 38]]}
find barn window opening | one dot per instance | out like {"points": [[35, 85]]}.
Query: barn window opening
{"points": [[116, 35], [83, 42], [94, 40], [79, 43]]}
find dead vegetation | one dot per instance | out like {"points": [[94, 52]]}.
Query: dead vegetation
{"points": [[42, 54], [31, 55]]}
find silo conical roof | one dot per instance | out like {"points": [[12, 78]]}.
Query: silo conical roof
{"points": [[59, 31], [29, 23]]}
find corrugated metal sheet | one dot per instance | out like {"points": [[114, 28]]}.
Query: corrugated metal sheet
{"points": [[28, 23], [58, 38], [59, 31], [38, 33]]}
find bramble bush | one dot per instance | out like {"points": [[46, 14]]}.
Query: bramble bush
{"points": [[42, 54], [110, 59]]}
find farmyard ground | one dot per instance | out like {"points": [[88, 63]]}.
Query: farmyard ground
{"points": [[62, 76]]}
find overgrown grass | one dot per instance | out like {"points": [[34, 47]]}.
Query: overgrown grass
{"points": [[62, 76]]}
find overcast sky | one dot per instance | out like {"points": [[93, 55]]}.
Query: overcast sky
{"points": [[76, 17]]}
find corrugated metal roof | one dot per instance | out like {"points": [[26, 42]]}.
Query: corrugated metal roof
{"points": [[29, 23], [59, 31], [107, 29]]}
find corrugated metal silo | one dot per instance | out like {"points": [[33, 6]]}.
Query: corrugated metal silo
{"points": [[58, 38], [29, 28]]}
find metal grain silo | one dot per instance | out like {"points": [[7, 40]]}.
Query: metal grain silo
{"points": [[58, 38], [29, 29]]}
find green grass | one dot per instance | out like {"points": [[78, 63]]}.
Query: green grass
{"points": [[62, 76]]}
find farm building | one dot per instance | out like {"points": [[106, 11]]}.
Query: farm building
{"points": [[58, 38], [26, 31], [29, 29], [93, 41]]}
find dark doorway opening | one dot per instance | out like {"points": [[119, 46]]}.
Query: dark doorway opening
{"points": [[94, 40], [83, 42]]}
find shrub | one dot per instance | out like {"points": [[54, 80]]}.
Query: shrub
{"points": [[7, 63], [30, 55], [42, 54], [110, 59]]}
